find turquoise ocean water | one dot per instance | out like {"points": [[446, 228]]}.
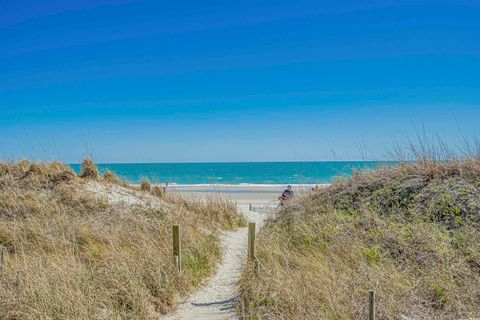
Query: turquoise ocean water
{"points": [[237, 173]]}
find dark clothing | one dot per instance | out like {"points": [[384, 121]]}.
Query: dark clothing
{"points": [[287, 194]]}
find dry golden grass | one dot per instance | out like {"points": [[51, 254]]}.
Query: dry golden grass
{"points": [[214, 209], [145, 185], [158, 191], [409, 232], [110, 177], [74, 255], [89, 169]]}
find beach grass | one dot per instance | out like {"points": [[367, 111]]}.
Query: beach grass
{"points": [[145, 185], [408, 232], [85, 247]]}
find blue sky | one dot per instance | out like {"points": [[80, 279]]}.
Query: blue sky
{"points": [[158, 81]]}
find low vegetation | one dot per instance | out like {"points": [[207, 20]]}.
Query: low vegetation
{"points": [[89, 170], [110, 177], [409, 232], [89, 248], [145, 185]]}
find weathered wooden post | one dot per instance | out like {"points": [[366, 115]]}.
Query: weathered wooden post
{"points": [[242, 306], [251, 241], [371, 305], [177, 247], [249, 207], [4, 259], [256, 266]]}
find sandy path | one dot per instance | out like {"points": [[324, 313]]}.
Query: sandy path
{"points": [[216, 299]]}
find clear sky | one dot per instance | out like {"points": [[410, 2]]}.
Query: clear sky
{"points": [[167, 81]]}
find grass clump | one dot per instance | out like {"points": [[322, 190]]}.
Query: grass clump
{"points": [[218, 211], [409, 232], [110, 177], [145, 185], [74, 253], [158, 191], [89, 170]]}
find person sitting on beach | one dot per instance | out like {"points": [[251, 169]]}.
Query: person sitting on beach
{"points": [[286, 195]]}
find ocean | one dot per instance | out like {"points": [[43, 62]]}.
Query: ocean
{"points": [[241, 173]]}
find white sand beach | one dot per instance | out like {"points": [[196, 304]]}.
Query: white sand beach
{"points": [[241, 194]]}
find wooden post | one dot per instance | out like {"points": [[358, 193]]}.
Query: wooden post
{"points": [[249, 207], [251, 241], [4, 259], [177, 263], [256, 266], [242, 306], [371, 305], [177, 247]]}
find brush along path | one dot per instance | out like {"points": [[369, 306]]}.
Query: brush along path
{"points": [[216, 300], [92, 248]]}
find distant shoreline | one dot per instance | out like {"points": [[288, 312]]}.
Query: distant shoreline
{"points": [[240, 185], [237, 174], [242, 194]]}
